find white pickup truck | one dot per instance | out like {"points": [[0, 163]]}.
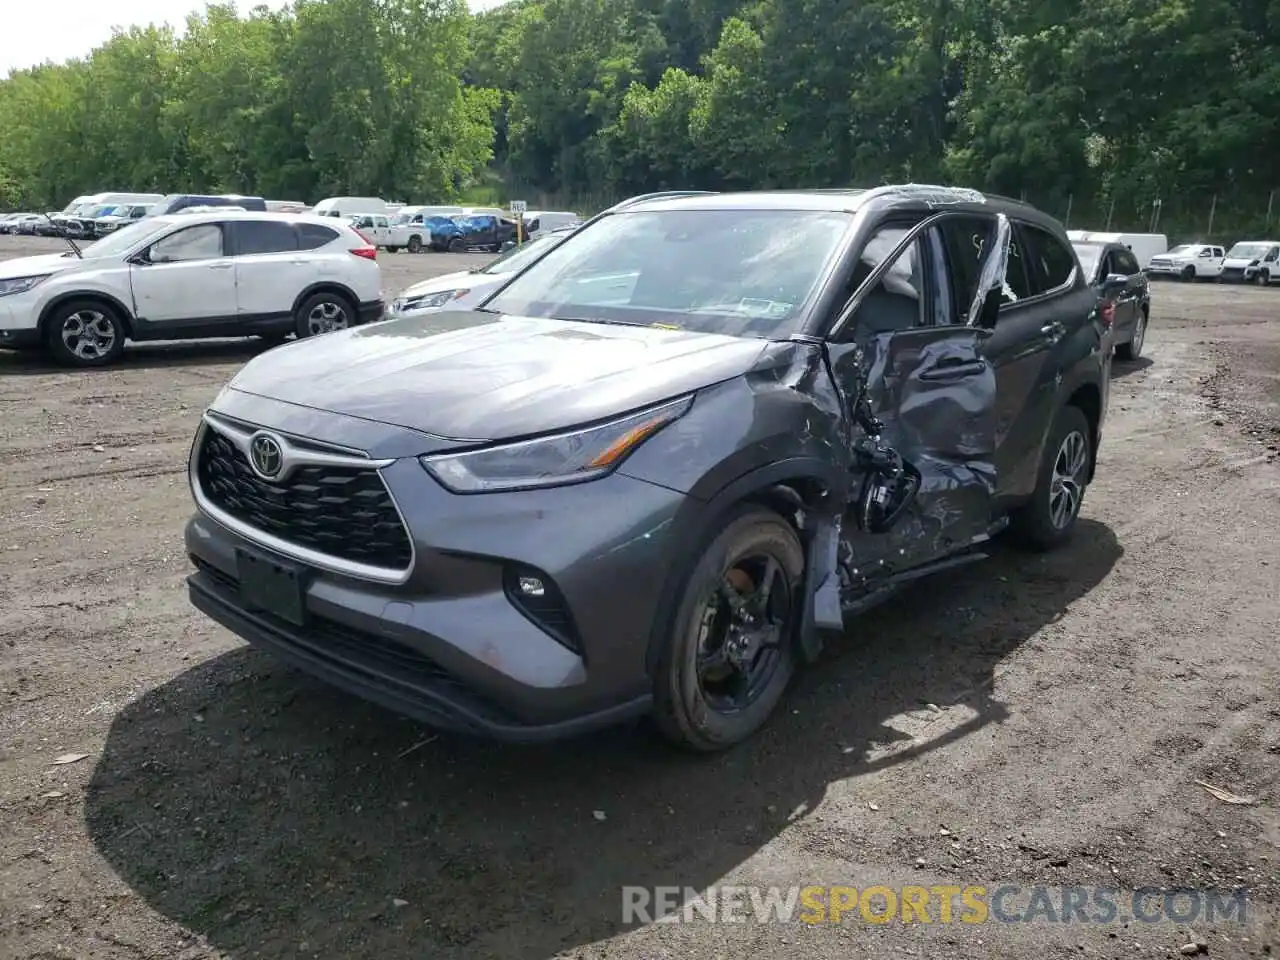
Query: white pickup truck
{"points": [[1190, 261], [381, 232]]}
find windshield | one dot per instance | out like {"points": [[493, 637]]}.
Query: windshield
{"points": [[515, 258], [748, 273], [1185, 248], [1089, 254], [1248, 251], [123, 239]]}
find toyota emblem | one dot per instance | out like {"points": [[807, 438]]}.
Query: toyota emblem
{"points": [[266, 456]]}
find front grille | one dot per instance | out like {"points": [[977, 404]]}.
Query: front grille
{"points": [[343, 512]]}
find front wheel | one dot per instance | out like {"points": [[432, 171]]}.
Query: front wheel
{"points": [[1188, 274], [85, 333], [323, 312], [1263, 279], [730, 653], [457, 245], [1049, 518], [415, 244]]}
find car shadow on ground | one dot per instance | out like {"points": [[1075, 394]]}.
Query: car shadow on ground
{"points": [[140, 356], [1127, 368], [268, 812]]}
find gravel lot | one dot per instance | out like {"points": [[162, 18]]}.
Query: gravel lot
{"points": [[1030, 720]]}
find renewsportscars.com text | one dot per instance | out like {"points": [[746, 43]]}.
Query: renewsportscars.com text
{"points": [[971, 904]]}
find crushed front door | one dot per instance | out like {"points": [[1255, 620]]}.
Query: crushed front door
{"points": [[923, 436]]}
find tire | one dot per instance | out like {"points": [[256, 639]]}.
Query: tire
{"points": [[1263, 278], [457, 245], [101, 336], [1133, 349], [1188, 274], [692, 712], [415, 244], [324, 312], [1036, 524], [393, 249], [495, 248]]}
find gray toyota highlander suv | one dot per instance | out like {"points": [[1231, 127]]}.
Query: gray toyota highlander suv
{"points": [[657, 466]]}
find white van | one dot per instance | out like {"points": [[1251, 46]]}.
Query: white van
{"points": [[344, 207], [1252, 261], [1144, 246], [544, 221]]}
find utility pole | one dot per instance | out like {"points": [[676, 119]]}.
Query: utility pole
{"points": [[1213, 208]]}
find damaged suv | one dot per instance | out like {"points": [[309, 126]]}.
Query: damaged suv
{"points": [[657, 466]]}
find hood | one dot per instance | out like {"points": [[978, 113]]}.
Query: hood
{"points": [[467, 375], [35, 266], [448, 281]]}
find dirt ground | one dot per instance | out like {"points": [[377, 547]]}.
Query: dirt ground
{"points": [[1032, 720]]}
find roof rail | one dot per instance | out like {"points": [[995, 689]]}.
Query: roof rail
{"points": [[660, 195], [930, 193]]}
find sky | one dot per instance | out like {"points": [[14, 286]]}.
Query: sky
{"points": [[71, 28]]}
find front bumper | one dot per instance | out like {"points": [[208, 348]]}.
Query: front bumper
{"points": [[450, 645]]}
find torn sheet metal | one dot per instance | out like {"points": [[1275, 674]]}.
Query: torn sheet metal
{"points": [[934, 397]]}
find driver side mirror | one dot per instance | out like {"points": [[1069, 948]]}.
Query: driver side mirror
{"points": [[1114, 285]]}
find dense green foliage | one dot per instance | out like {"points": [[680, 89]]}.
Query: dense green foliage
{"points": [[358, 97], [1091, 107]]}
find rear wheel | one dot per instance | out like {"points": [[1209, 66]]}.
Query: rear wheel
{"points": [[85, 333], [730, 653], [324, 312], [393, 249], [1133, 349], [1048, 519]]}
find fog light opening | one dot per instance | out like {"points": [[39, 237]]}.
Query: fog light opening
{"points": [[536, 596]]}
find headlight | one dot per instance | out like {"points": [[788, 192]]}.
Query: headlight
{"points": [[427, 301], [20, 284], [556, 460]]}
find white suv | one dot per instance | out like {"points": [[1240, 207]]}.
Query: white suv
{"points": [[216, 274]]}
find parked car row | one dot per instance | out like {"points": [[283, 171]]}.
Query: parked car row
{"points": [[1249, 261], [418, 229]]}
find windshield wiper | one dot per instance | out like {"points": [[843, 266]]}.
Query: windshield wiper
{"points": [[610, 323], [62, 232]]}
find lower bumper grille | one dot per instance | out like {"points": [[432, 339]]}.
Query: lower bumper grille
{"points": [[342, 512]]}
